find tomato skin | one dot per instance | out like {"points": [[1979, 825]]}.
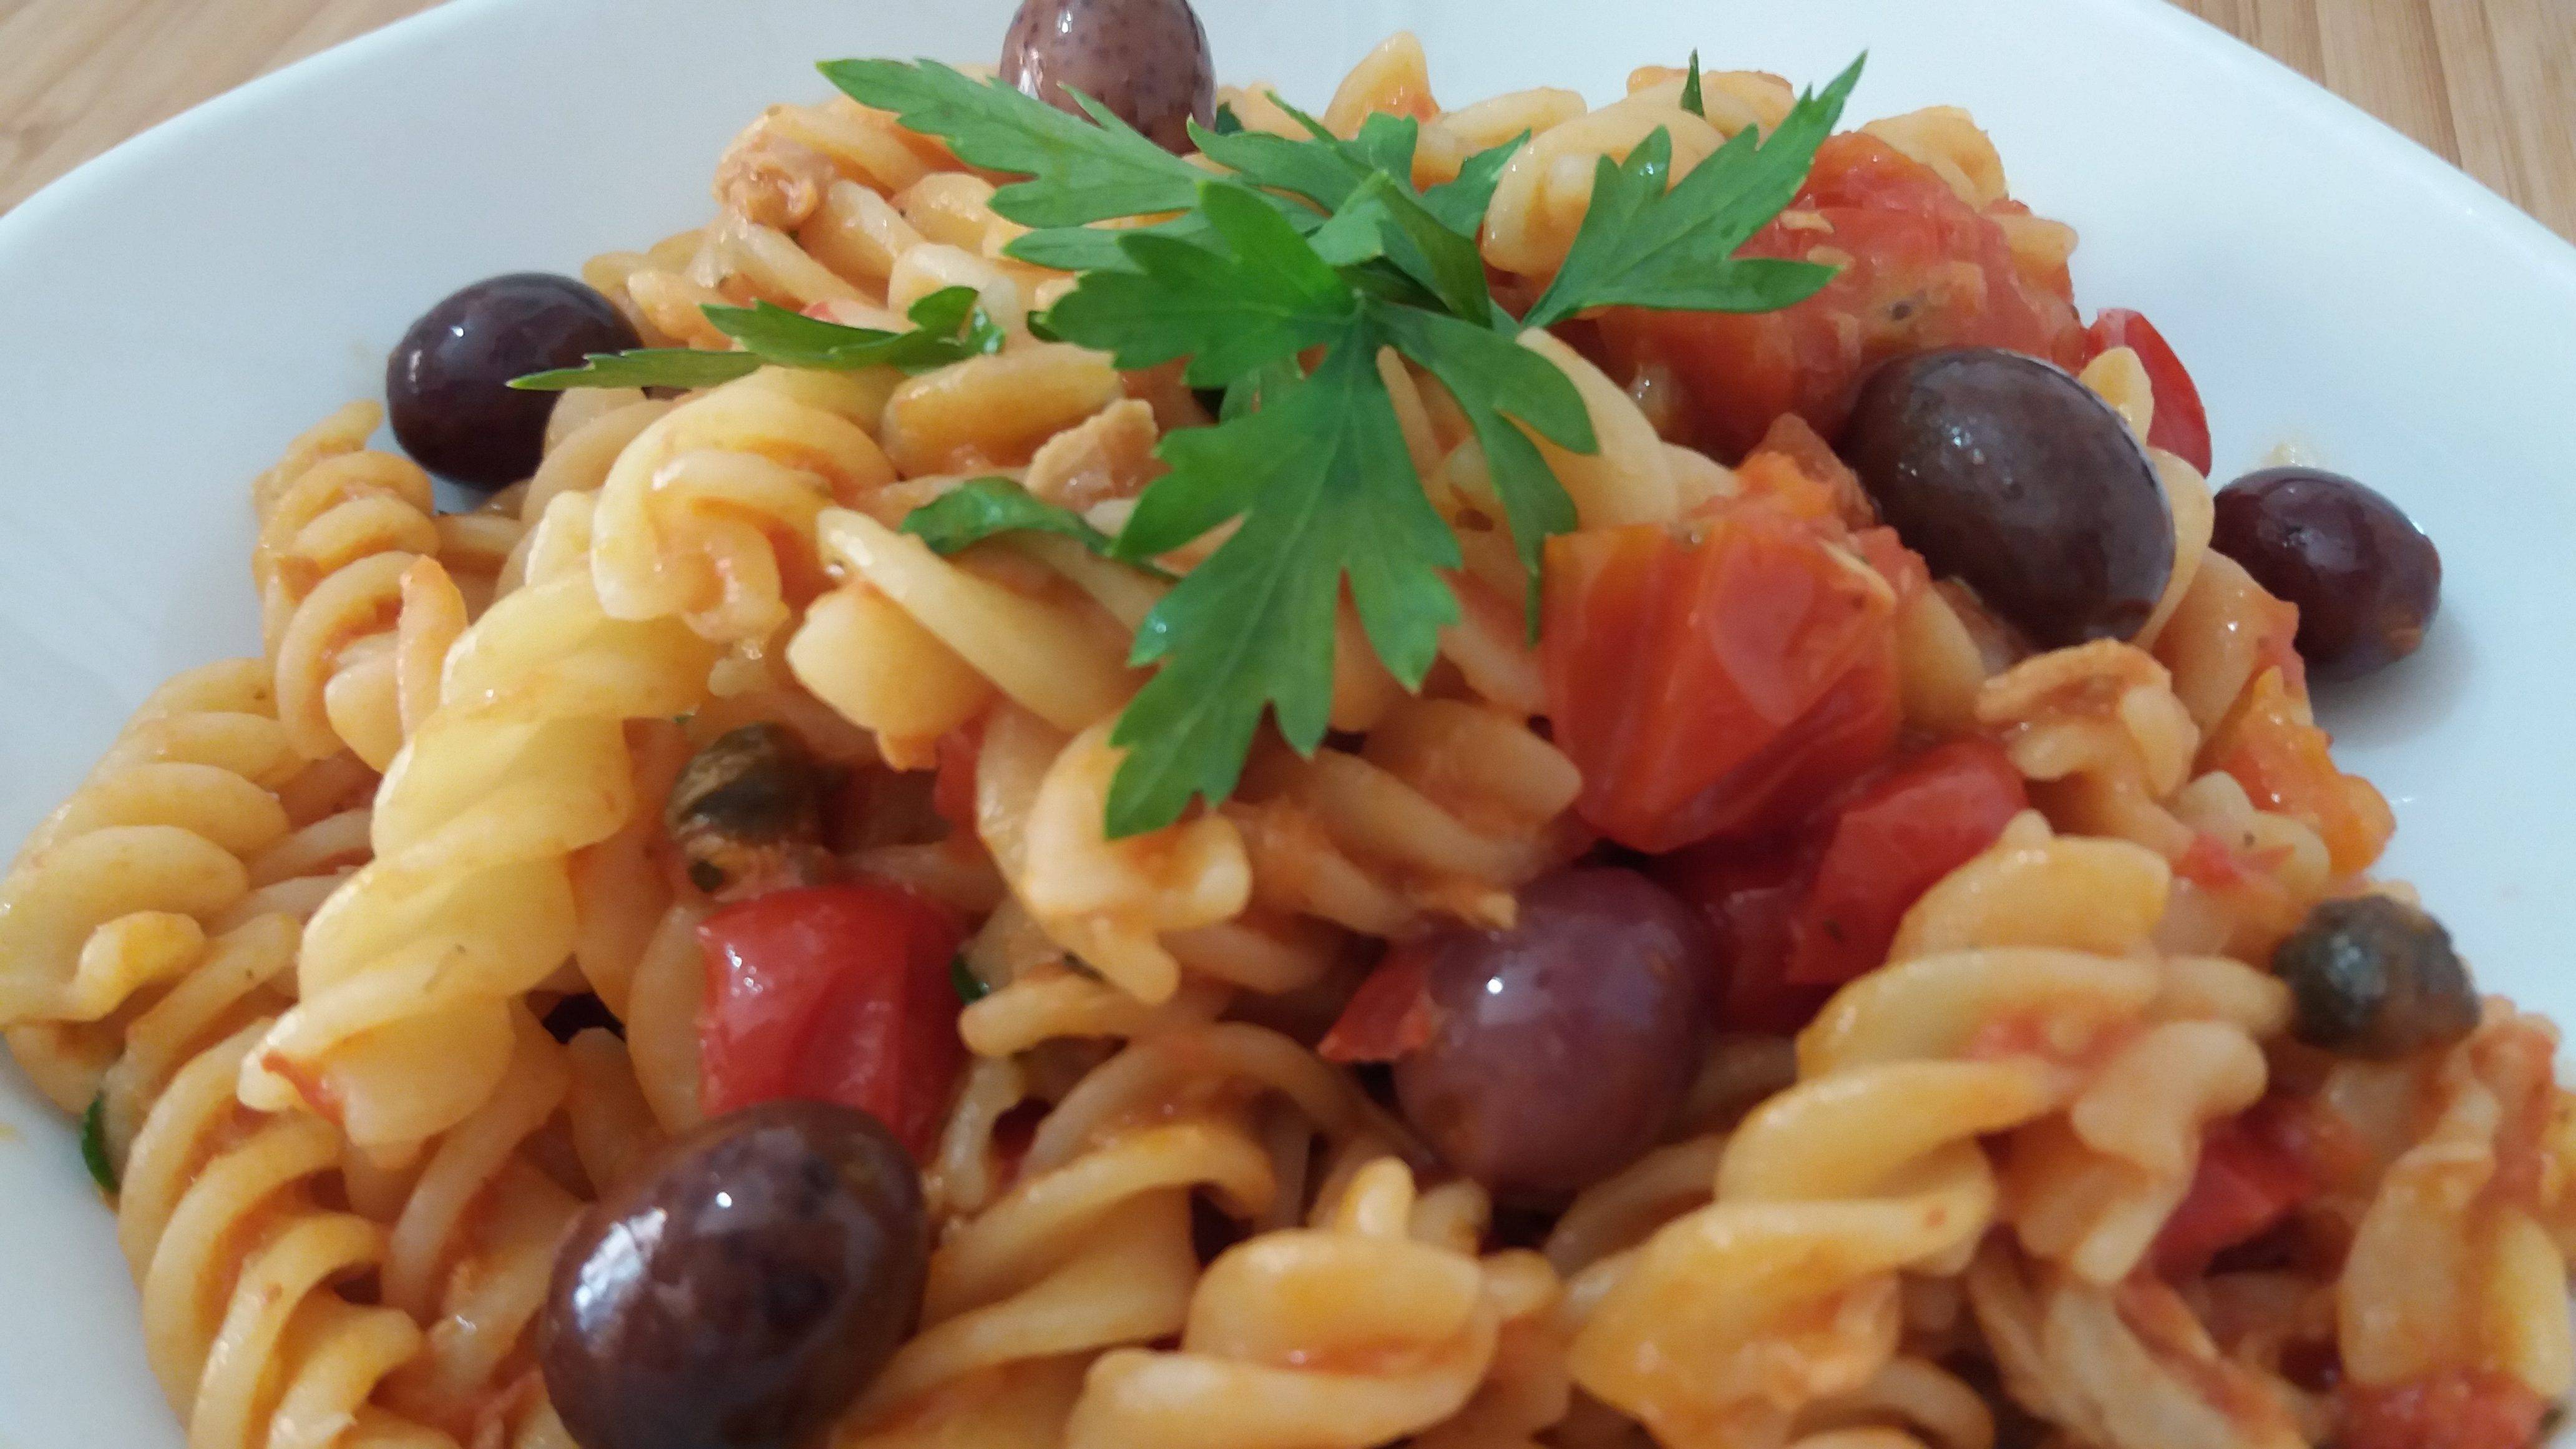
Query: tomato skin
{"points": [[2181, 424], [2251, 1176], [1919, 268], [1892, 841], [1716, 681], [2284, 763], [1389, 1015], [839, 993], [2455, 1409], [1749, 895]]}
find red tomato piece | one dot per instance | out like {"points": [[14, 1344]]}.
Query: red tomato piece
{"points": [[1717, 680], [1892, 841], [2283, 762], [839, 993], [1917, 267], [952, 791], [1389, 1015], [1749, 896], [2252, 1175], [2181, 425], [2457, 1409]]}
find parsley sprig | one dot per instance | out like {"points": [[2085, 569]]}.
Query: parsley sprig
{"points": [[948, 326], [1280, 278]]}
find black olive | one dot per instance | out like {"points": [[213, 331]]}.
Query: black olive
{"points": [[2366, 579], [2011, 476], [742, 1293], [1561, 1048], [447, 383], [1146, 60], [747, 813], [2375, 978], [579, 1012]]}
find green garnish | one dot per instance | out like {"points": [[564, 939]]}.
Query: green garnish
{"points": [[1642, 245], [1692, 101], [93, 1145], [970, 987], [1319, 248], [689, 367], [979, 508], [1227, 122], [948, 326]]}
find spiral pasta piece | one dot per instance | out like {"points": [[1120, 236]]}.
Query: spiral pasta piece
{"points": [[2009, 1008], [1340, 1337], [410, 970], [359, 610]]}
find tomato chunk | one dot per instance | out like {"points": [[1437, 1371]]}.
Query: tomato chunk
{"points": [[1917, 267], [839, 993], [2251, 1176], [1389, 1015], [1717, 679], [1750, 895], [2181, 425], [2459, 1409], [1892, 841], [2284, 763], [1796, 917]]}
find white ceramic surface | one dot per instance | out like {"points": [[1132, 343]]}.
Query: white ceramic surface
{"points": [[172, 314]]}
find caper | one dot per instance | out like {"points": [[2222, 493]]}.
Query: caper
{"points": [[747, 813], [2376, 978]]}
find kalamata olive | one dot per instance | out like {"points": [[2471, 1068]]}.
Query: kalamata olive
{"points": [[2009, 475], [1146, 60], [747, 813], [745, 1290], [2377, 978], [447, 381], [1561, 1047], [2365, 578]]}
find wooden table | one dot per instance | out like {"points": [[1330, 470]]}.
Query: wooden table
{"points": [[2491, 84]]}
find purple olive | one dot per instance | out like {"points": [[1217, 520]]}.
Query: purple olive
{"points": [[1561, 1048], [447, 383], [2011, 476], [743, 1293], [1146, 60], [2366, 579]]}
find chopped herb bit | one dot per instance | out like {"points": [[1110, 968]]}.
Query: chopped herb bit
{"points": [[1692, 100], [1227, 122], [979, 508], [93, 1145], [970, 987]]}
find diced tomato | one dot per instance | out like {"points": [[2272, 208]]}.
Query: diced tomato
{"points": [[2251, 1176], [839, 993], [2456, 1409], [2285, 765], [1903, 568], [1749, 895], [1892, 841], [1718, 679], [953, 791], [1798, 473], [2181, 425], [1917, 268], [1389, 1015]]}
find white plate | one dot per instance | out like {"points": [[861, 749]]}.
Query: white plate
{"points": [[172, 314]]}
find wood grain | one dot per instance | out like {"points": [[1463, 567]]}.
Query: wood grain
{"points": [[2489, 84]]}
